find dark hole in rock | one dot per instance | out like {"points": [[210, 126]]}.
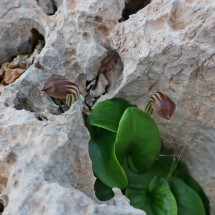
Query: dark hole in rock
{"points": [[61, 104], [108, 79], [17, 65], [41, 117], [36, 38], [112, 68], [49, 7], [1, 206], [132, 7], [98, 18], [54, 7]]}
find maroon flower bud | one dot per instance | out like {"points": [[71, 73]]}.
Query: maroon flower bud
{"points": [[161, 104], [60, 88]]}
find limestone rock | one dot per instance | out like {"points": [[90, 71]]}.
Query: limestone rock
{"points": [[166, 46], [44, 162]]}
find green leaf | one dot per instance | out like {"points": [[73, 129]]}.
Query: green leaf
{"points": [[188, 201], [161, 167], [138, 138], [140, 199], [105, 164], [182, 172], [197, 187], [107, 114], [157, 200], [103, 192]]}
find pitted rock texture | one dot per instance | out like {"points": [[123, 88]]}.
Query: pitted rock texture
{"points": [[10, 71], [168, 46], [45, 165], [44, 162]]}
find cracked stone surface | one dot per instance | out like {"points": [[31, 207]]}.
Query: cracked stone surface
{"points": [[166, 46]]}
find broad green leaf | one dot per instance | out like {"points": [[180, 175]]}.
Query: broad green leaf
{"points": [[140, 199], [188, 201], [197, 187], [182, 172], [161, 167], [103, 192], [105, 164], [138, 138], [107, 114], [157, 200]]}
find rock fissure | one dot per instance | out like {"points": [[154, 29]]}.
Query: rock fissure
{"points": [[12, 8]]}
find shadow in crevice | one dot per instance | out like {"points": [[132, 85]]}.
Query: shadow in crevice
{"points": [[36, 38], [16, 65], [108, 79], [1, 206], [49, 7], [132, 7]]}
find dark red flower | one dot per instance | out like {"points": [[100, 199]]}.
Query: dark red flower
{"points": [[60, 88], [160, 104]]}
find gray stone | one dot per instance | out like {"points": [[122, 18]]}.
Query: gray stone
{"points": [[44, 162], [167, 46]]}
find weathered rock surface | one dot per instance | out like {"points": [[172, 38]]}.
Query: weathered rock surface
{"points": [[167, 46], [44, 163]]}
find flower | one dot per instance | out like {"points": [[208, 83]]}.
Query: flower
{"points": [[60, 88], [161, 104]]}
